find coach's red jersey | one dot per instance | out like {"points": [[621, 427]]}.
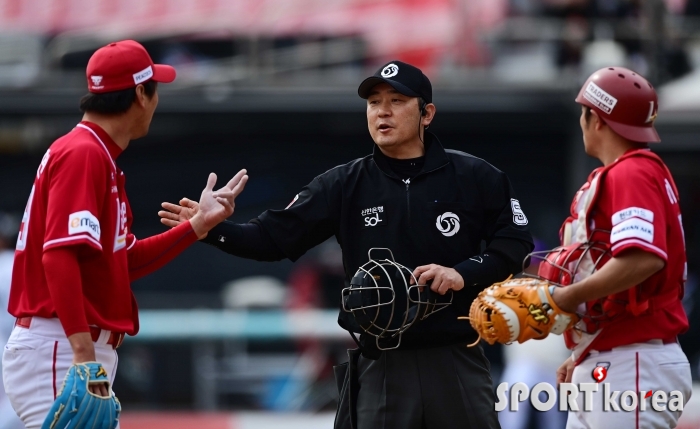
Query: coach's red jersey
{"points": [[78, 199], [636, 206]]}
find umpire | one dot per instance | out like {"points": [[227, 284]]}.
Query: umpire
{"points": [[432, 207]]}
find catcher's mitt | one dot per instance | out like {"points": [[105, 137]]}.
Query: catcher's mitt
{"points": [[76, 407], [518, 310]]}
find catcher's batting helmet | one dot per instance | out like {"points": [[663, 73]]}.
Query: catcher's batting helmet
{"points": [[624, 100], [385, 304]]}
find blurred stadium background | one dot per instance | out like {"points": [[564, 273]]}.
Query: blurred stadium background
{"points": [[270, 85]]}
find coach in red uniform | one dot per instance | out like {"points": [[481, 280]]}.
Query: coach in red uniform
{"points": [[76, 255], [629, 283]]}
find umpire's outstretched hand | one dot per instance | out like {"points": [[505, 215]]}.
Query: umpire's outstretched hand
{"points": [[213, 207]]}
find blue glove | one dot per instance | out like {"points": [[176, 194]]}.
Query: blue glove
{"points": [[77, 408]]}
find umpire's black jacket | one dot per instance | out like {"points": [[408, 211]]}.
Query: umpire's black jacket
{"points": [[439, 217]]}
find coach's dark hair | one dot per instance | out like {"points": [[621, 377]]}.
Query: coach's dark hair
{"points": [[111, 103]]}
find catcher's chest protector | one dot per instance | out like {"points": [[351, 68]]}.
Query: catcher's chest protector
{"points": [[584, 245]]}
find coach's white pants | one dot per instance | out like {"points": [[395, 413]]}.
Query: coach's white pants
{"points": [[35, 362], [636, 367]]}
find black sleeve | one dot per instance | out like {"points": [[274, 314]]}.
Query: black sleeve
{"points": [[247, 240], [503, 257], [504, 216], [310, 219], [508, 240]]}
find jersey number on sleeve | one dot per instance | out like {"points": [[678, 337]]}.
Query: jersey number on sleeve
{"points": [[120, 234]]}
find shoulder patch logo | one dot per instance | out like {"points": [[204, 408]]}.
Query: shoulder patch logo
{"points": [[519, 217], [632, 228], [84, 221], [448, 224], [631, 212]]}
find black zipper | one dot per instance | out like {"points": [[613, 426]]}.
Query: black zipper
{"points": [[408, 197], [408, 200]]}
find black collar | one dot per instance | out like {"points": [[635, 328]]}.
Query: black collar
{"points": [[435, 156]]}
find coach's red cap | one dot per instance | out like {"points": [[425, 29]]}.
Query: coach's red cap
{"points": [[122, 65]]}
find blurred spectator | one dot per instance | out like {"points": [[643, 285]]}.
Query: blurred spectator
{"points": [[319, 280], [254, 292], [573, 39], [598, 33], [9, 228]]}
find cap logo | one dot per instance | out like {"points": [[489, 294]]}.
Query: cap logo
{"points": [[96, 80], [390, 70], [599, 98], [651, 117], [143, 75]]}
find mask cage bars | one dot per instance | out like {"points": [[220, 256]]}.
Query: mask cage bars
{"points": [[563, 264], [420, 302]]}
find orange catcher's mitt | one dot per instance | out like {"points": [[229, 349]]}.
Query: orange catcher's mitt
{"points": [[518, 310]]}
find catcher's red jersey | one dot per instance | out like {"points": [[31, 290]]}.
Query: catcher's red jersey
{"points": [[635, 205], [78, 199]]}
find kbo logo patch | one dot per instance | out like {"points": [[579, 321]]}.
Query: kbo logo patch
{"points": [[390, 70], [448, 224]]}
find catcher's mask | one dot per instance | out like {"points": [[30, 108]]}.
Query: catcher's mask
{"points": [[385, 304], [565, 265], [569, 264]]}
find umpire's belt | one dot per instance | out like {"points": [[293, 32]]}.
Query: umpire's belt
{"points": [[115, 338]]}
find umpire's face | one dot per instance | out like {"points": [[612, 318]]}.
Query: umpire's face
{"points": [[393, 119]]}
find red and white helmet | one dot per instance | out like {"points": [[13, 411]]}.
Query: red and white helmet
{"points": [[624, 100], [565, 265]]}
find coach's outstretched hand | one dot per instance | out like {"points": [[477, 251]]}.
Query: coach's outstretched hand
{"points": [[213, 207]]}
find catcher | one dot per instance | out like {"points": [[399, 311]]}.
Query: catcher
{"points": [[622, 261]]}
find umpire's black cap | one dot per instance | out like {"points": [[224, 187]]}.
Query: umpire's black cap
{"points": [[405, 78]]}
